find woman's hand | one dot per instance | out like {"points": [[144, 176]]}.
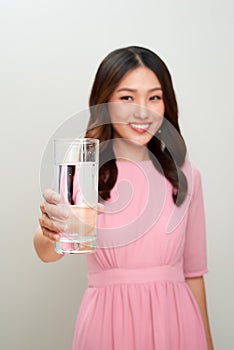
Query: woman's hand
{"points": [[53, 219], [57, 218]]}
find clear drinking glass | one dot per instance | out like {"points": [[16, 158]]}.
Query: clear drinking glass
{"points": [[76, 180]]}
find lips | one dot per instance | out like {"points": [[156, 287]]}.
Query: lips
{"points": [[140, 127]]}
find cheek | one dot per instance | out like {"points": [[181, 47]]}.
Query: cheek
{"points": [[163, 109], [120, 112], [119, 129], [160, 108]]}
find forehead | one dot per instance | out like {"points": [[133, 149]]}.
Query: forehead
{"points": [[139, 76]]}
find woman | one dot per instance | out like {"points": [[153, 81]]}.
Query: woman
{"points": [[146, 288]]}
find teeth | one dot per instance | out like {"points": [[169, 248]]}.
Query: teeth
{"points": [[140, 126]]}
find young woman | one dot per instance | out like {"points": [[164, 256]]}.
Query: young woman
{"points": [[145, 280]]}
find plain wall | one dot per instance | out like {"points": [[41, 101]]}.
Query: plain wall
{"points": [[50, 51]]}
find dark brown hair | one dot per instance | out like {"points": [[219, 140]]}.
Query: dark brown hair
{"points": [[167, 147]]}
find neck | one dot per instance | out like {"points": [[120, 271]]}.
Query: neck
{"points": [[127, 150]]}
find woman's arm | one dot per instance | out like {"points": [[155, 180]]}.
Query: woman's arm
{"points": [[197, 287]]}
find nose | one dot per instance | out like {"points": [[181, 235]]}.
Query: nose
{"points": [[141, 112]]}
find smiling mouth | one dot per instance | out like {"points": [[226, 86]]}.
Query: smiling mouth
{"points": [[140, 127]]}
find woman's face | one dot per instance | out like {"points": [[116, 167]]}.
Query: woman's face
{"points": [[139, 113]]}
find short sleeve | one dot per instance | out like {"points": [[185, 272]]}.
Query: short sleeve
{"points": [[195, 254]]}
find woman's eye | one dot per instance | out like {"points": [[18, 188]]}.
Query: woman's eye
{"points": [[156, 97], [126, 98]]}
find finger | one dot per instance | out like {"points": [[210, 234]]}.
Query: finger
{"points": [[54, 237], [53, 211], [57, 212], [47, 223], [51, 196], [56, 227], [42, 208]]}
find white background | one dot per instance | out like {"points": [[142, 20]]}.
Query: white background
{"points": [[50, 51]]}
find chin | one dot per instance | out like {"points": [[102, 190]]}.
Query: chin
{"points": [[140, 142]]}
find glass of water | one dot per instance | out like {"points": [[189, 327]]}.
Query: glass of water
{"points": [[76, 180]]}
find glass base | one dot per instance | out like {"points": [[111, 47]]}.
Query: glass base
{"points": [[81, 245]]}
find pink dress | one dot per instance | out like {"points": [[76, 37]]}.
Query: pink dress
{"points": [[137, 297]]}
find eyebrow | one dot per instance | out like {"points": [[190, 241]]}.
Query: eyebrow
{"points": [[134, 90]]}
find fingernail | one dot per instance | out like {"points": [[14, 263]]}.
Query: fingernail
{"points": [[57, 237]]}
